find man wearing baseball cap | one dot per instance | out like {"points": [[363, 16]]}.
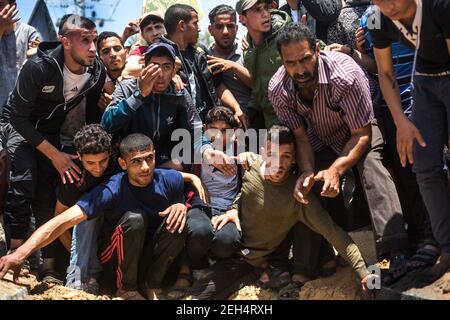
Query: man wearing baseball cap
{"points": [[261, 58], [152, 105]]}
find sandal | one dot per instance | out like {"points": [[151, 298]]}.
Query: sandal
{"points": [[423, 258], [397, 269], [181, 290], [52, 277], [291, 291], [278, 278]]}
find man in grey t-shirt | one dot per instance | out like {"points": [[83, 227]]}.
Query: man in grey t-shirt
{"points": [[225, 56]]}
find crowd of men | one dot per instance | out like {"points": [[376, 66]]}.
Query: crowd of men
{"points": [[327, 116]]}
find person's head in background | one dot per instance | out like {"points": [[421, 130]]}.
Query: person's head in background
{"points": [[219, 126], [223, 26], [152, 27], [255, 15], [280, 153], [275, 4], [162, 55], [93, 146], [112, 52], [397, 9], [181, 22], [78, 36]]}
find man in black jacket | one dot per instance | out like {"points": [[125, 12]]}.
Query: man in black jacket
{"points": [[61, 77], [181, 22]]}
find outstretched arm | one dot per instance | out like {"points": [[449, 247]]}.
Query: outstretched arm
{"points": [[40, 238]]}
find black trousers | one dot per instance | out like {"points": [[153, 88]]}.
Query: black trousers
{"points": [[414, 210], [137, 258], [33, 181]]}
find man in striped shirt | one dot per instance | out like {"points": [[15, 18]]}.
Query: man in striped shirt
{"points": [[325, 99]]}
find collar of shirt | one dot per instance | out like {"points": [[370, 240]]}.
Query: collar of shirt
{"points": [[414, 36], [236, 50]]}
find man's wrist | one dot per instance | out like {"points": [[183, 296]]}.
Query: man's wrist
{"points": [[351, 51]]}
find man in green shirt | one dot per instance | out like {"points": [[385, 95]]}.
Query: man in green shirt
{"points": [[265, 212], [261, 58]]}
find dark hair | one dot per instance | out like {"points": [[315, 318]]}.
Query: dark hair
{"points": [[105, 35], [158, 52], [147, 20], [221, 9], [71, 21], [221, 113], [92, 139], [295, 33], [284, 134], [133, 143], [174, 14]]}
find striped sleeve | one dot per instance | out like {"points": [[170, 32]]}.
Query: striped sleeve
{"points": [[357, 103], [285, 110]]}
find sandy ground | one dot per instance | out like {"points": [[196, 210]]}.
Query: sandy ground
{"points": [[341, 286]]}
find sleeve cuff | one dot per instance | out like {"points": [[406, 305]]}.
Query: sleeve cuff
{"points": [[133, 102]]}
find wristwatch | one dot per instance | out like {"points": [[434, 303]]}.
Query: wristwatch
{"points": [[138, 94]]}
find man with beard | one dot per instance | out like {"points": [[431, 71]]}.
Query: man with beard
{"points": [[261, 58], [226, 59], [62, 76], [324, 98], [113, 55]]}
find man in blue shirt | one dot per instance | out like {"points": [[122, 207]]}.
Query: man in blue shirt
{"points": [[144, 219]]}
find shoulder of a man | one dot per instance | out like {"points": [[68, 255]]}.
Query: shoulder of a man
{"points": [[277, 84], [170, 178], [343, 70]]}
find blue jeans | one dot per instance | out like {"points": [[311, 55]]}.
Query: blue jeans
{"points": [[84, 261], [431, 115]]}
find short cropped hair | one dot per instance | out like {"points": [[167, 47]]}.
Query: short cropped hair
{"points": [[135, 142], [72, 21], [105, 35], [174, 14], [221, 9]]}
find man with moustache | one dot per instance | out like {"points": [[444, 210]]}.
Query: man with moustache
{"points": [[226, 59], [62, 76], [113, 55], [324, 98]]}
